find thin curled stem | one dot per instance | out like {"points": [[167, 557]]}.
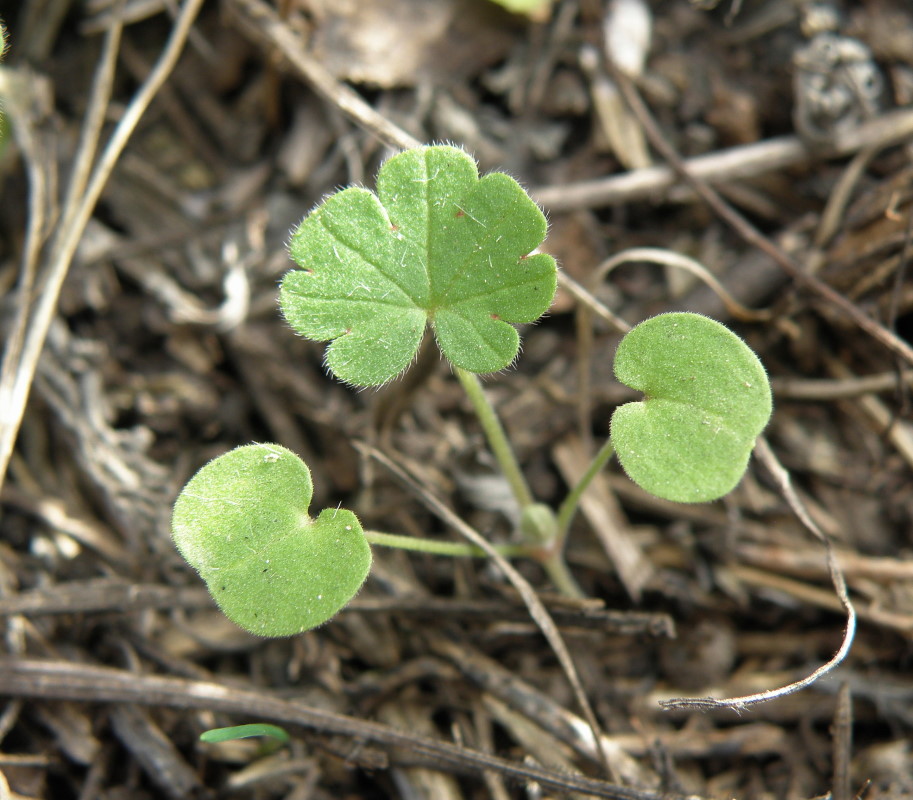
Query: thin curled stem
{"points": [[781, 476]]}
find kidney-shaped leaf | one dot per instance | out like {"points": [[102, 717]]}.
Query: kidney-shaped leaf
{"points": [[436, 245], [242, 522], [706, 400]]}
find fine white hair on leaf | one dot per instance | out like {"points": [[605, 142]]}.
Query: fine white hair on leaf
{"points": [[627, 30]]}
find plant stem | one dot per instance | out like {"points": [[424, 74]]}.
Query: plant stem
{"points": [[569, 507], [497, 438], [439, 548], [561, 576]]}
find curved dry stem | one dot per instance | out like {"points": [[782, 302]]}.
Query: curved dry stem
{"points": [[67, 680], [68, 239], [96, 112], [781, 476], [841, 195], [732, 164], [588, 301], [899, 126], [28, 96], [537, 610], [669, 258], [271, 29]]}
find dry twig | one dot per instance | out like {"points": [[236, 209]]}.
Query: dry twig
{"points": [[537, 610], [274, 32], [903, 129], [781, 476], [63, 680], [736, 163], [19, 368]]}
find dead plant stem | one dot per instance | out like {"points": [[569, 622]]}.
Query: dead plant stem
{"points": [[781, 476], [537, 610], [744, 161], [63, 680], [273, 31], [67, 240], [751, 234]]}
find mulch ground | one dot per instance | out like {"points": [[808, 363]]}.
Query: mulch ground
{"points": [[149, 176]]}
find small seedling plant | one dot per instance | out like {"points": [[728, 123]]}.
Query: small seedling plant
{"points": [[437, 247]]}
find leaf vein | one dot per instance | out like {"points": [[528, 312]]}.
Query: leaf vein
{"points": [[378, 267]]}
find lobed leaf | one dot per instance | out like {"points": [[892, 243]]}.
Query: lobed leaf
{"points": [[242, 522], [706, 400], [437, 245]]}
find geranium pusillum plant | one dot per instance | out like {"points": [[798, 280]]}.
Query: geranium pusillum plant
{"points": [[439, 247]]}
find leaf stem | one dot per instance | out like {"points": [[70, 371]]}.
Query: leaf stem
{"points": [[497, 438], [554, 564], [568, 507], [557, 570], [440, 548]]}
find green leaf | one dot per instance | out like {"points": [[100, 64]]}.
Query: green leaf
{"points": [[216, 735], [706, 400], [242, 522], [436, 246]]}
